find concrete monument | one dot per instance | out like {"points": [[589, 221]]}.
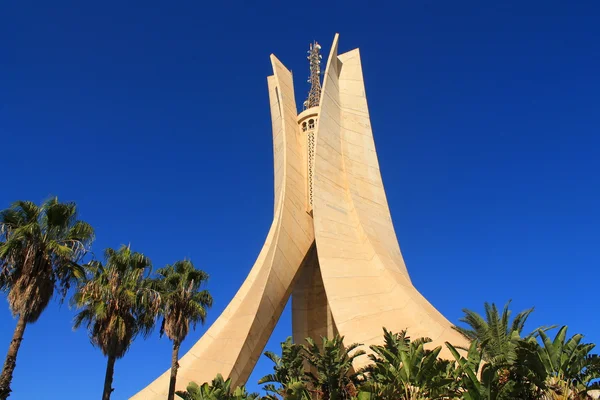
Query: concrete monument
{"points": [[331, 246]]}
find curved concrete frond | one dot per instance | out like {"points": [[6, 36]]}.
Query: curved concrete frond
{"points": [[363, 271], [235, 341]]}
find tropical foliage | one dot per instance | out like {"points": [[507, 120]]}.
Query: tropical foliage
{"points": [[495, 334], [498, 365], [404, 369], [570, 369], [331, 375], [313, 371], [218, 389], [288, 377]]}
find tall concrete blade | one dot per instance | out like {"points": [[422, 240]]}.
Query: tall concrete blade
{"points": [[235, 341], [364, 275]]}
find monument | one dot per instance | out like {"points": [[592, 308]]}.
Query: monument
{"points": [[332, 245]]}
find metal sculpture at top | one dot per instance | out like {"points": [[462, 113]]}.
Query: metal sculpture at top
{"points": [[314, 57]]}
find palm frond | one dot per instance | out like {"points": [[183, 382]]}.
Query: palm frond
{"points": [[37, 255], [116, 301]]}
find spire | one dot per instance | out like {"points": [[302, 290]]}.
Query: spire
{"points": [[314, 57]]}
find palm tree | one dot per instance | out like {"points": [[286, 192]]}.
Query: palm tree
{"points": [[117, 304], [40, 247], [183, 303], [403, 369], [334, 377], [288, 373]]}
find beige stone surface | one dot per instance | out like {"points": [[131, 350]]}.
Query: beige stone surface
{"points": [[311, 315], [235, 341], [331, 246], [362, 268]]}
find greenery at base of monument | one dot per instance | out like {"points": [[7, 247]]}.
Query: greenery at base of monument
{"points": [[218, 389], [500, 364], [42, 251]]}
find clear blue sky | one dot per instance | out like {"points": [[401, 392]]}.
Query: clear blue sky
{"points": [[154, 118]]}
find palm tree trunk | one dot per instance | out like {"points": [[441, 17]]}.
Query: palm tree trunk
{"points": [[174, 367], [11, 358], [108, 378]]}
